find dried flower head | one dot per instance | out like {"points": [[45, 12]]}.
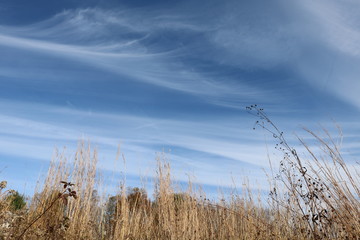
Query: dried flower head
{"points": [[68, 192], [3, 184]]}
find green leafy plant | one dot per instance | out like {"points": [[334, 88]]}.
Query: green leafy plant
{"points": [[17, 201]]}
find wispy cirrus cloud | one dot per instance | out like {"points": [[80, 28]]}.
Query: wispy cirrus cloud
{"points": [[337, 52], [140, 139], [123, 44], [317, 41]]}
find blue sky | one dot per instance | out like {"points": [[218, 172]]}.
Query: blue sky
{"points": [[173, 76]]}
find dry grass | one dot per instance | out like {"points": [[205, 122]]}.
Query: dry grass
{"points": [[313, 199]]}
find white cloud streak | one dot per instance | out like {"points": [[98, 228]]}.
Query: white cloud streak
{"points": [[126, 54], [140, 139]]}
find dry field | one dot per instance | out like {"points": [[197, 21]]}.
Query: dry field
{"points": [[316, 198]]}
